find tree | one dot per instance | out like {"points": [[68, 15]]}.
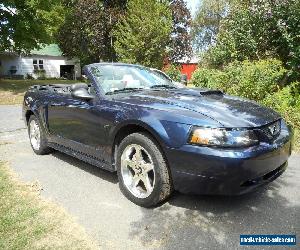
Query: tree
{"points": [[114, 10], [87, 31], [27, 24], [207, 22], [142, 35], [257, 30], [180, 39], [82, 33]]}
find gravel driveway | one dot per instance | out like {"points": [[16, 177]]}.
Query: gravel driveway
{"points": [[92, 196]]}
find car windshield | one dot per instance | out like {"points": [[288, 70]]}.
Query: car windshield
{"points": [[118, 78], [160, 74]]}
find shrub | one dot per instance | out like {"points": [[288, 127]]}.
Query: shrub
{"points": [[213, 79], [206, 78], [174, 72], [253, 80], [287, 102], [40, 73], [29, 76]]}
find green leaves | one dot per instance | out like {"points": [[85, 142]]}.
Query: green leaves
{"points": [[26, 23], [142, 35], [287, 103], [259, 29], [83, 33], [253, 80], [87, 32], [207, 22], [174, 72], [147, 31]]}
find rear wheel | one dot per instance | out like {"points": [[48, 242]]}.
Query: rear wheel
{"points": [[143, 173], [37, 137]]}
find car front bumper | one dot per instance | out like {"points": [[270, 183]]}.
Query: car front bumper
{"points": [[208, 170]]}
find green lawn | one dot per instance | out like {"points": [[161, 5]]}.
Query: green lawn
{"points": [[29, 222], [12, 91]]}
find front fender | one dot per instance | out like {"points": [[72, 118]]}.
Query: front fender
{"points": [[168, 134]]}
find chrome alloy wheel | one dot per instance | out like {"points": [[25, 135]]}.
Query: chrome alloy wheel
{"points": [[137, 171], [34, 135]]}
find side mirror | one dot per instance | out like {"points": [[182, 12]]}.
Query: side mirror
{"points": [[183, 79], [80, 91]]}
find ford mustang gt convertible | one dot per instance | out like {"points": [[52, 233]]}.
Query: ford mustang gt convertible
{"points": [[156, 136]]}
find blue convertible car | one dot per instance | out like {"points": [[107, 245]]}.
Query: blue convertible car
{"points": [[158, 136]]}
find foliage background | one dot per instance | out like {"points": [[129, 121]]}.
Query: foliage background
{"points": [[174, 72], [142, 34]]}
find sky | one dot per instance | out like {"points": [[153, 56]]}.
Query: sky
{"points": [[192, 4]]}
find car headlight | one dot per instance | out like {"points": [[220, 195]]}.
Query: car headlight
{"points": [[222, 137]]}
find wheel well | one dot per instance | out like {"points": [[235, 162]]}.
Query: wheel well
{"points": [[27, 115], [127, 130]]}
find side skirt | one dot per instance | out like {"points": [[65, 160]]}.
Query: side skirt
{"points": [[81, 156]]}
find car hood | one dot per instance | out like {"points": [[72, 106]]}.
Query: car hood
{"points": [[228, 111]]}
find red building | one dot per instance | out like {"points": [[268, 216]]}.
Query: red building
{"points": [[188, 69], [188, 66]]}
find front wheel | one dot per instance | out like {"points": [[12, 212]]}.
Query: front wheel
{"points": [[37, 137], [142, 171]]}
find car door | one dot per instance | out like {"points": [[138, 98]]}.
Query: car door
{"points": [[79, 125]]}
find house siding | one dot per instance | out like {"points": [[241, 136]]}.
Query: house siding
{"points": [[24, 65]]}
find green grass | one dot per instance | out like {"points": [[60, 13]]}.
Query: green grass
{"points": [[28, 222], [12, 91]]}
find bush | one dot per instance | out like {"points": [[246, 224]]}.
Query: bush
{"points": [[29, 76], [287, 102], [207, 78], [174, 72], [40, 73], [253, 80]]}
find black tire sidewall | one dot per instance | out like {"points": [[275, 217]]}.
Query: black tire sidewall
{"points": [[147, 143]]}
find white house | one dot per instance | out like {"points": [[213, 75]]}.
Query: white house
{"points": [[47, 61]]}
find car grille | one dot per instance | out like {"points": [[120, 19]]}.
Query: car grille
{"points": [[271, 131]]}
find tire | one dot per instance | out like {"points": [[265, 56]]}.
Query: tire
{"points": [[37, 138], [144, 177]]}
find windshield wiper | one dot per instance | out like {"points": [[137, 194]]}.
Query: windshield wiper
{"points": [[123, 90], [163, 86]]}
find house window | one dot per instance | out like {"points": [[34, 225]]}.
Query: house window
{"points": [[41, 64], [38, 64]]}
